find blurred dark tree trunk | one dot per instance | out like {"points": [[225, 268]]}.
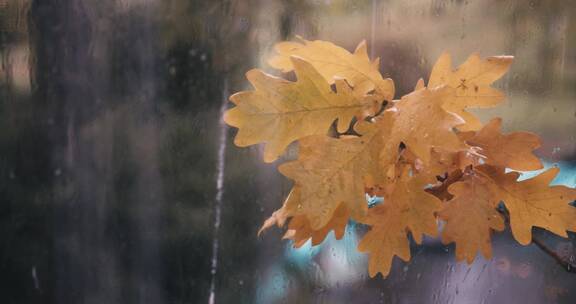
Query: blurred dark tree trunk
{"points": [[106, 250], [65, 78]]}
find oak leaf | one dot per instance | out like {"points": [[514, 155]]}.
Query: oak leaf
{"points": [[440, 189], [471, 82], [470, 217], [300, 231], [421, 123], [279, 112], [333, 61], [533, 202], [386, 239], [331, 171], [514, 150], [281, 216], [407, 208]]}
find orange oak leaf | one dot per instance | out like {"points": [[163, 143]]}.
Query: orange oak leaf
{"points": [[533, 202], [333, 61], [279, 112], [300, 232], [471, 82], [407, 208], [387, 238], [470, 217], [512, 150]]}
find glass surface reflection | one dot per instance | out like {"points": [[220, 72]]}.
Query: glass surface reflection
{"points": [[118, 180]]}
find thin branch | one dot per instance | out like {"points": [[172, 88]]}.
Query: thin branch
{"points": [[566, 264]]}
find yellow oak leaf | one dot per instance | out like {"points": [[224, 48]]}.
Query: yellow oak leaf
{"points": [[280, 216], [419, 84], [333, 61], [421, 123], [387, 238], [512, 151], [470, 217], [406, 208], [331, 171], [300, 232], [471, 82], [533, 203], [279, 112]]}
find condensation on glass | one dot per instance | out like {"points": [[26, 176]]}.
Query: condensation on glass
{"points": [[119, 182]]}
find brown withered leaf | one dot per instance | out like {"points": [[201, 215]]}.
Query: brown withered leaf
{"points": [[333, 61], [471, 82], [279, 112], [440, 190]]}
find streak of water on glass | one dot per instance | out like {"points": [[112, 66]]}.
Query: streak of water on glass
{"points": [[217, 207]]}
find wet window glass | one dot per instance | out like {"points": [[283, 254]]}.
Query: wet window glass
{"points": [[121, 183]]}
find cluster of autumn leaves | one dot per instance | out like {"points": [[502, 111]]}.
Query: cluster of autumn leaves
{"points": [[431, 160]]}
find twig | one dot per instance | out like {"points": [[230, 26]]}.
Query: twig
{"points": [[566, 264]]}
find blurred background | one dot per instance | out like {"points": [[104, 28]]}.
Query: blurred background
{"points": [[120, 184]]}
